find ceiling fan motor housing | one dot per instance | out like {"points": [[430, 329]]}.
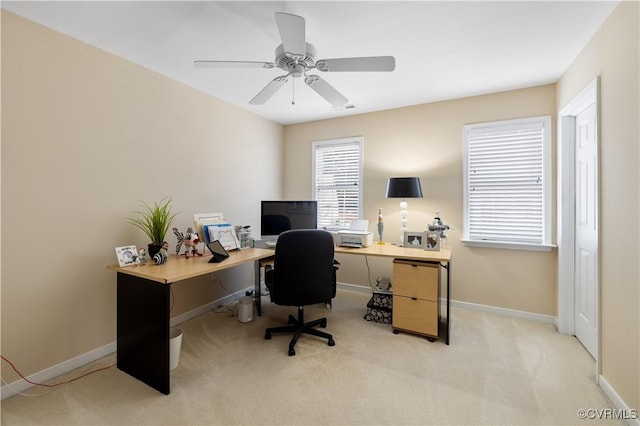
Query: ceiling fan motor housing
{"points": [[296, 65]]}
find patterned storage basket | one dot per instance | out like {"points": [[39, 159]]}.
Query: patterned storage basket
{"points": [[379, 308]]}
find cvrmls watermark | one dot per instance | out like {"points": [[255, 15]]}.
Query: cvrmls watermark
{"points": [[607, 414]]}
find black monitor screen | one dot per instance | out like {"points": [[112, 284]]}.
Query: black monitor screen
{"points": [[279, 216]]}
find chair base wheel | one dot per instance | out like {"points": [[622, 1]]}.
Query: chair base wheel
{"points": [[298, 327]]}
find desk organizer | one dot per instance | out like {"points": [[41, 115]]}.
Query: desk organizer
{"points": [[379, 308]]}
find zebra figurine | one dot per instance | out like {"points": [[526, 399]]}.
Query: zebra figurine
{"points": [[190, 241], [161, 257]]}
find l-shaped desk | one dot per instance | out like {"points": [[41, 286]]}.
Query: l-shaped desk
{"points": [[143, 301]]}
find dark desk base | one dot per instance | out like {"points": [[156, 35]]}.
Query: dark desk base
{"points": [[143, 330]]}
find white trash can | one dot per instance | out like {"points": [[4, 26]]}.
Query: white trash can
{"points": [[175, 342], [245, 309]]}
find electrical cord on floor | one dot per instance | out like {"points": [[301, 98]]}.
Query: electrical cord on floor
{"points": [[230, 308], [52, 386]]}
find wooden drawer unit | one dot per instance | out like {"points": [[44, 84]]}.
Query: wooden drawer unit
{"points": [[416, 295]]}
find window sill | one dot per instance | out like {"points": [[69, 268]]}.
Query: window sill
{"points": [[506, 245]]}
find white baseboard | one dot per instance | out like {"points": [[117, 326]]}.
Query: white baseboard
{"points": [[354, 287], [57, 370], [624, 411], [547, 319], [21, 385]]}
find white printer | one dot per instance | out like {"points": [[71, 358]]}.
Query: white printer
{"points": [[356, 236]]}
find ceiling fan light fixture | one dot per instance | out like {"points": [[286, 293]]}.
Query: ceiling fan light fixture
{"points": [[297, 70]]}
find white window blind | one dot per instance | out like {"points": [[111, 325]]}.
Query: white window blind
{"points": [[337, 177], [507, 181]]}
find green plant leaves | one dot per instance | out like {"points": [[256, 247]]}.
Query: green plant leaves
{"points": [[154, 220]]}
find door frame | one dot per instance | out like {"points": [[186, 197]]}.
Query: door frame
{"points": [[566, 209]]}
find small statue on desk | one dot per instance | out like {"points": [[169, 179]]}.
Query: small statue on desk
{"points": [[161, 257], [142, 256], [439, 226], [190, 241], [380, 226]]}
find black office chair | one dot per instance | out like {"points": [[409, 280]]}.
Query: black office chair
{"points": [[303, 274]]}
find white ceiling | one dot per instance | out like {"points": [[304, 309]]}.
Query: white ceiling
{"points": [[443, 50]]}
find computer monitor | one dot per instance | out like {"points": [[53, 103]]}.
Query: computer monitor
{"points": [[279, 216]]}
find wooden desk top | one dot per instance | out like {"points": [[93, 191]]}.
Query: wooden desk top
{"points": [[180, 268], [390, 250]]}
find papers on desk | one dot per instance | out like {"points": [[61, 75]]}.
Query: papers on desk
{"points": [[202, 219], [223, 232]]}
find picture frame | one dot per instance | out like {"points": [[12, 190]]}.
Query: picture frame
{"points": [[127, 256], [413, 239], [431, 240]]}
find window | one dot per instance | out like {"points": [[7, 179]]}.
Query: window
{"points": [[337, 177], [507, 184]]}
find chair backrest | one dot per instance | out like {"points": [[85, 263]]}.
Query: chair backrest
{"points": [[303, 271]]}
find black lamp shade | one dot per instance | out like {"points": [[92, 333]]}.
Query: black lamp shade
{"points": [[404, 187]]}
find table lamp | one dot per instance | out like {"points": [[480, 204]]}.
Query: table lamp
{"points": [[404, 187]]}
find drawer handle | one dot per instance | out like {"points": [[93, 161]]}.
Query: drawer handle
{"points": [[414, 298], [414, 266]]}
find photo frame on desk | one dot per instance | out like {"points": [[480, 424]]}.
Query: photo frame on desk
{"points": [[413, 239], [431, 240], [127, 256]]}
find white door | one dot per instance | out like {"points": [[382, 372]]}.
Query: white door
{"points": [[586, 230]]}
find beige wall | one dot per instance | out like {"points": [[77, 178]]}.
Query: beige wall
{"points": [[426, 141], [85, 136], [613, 54]]}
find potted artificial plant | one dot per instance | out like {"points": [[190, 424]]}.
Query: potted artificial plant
{"points": [[155, 221]]}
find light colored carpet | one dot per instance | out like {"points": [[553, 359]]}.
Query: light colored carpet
{"points": [[497, 370]]}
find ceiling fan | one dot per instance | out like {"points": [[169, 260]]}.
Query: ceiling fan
{"points": [[297, 57]]}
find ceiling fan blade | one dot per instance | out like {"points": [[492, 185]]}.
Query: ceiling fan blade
{"points": [[292, 33], [370, 63], [233, 64], [326, 90], [269, 90]]}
